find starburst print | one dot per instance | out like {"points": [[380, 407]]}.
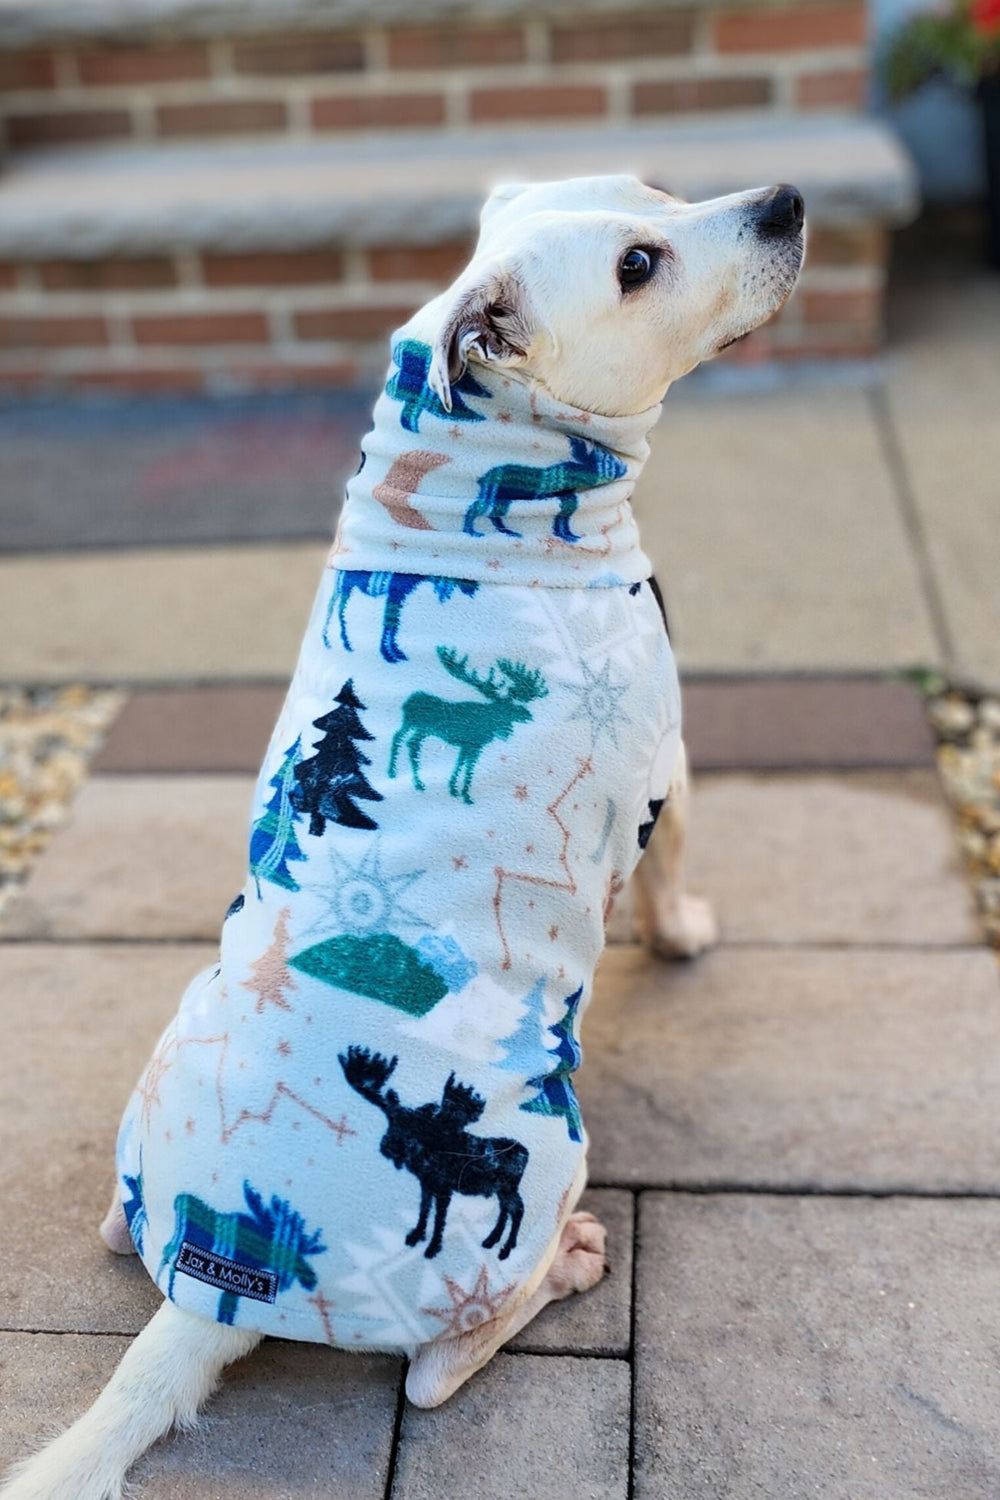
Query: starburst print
{"points": [[362, 899], [468, 1310], [600, 700]]}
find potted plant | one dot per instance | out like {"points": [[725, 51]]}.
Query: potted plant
{"points": [[960, 40]]}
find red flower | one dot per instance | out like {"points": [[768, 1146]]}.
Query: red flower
{"points": [[985, 17]]}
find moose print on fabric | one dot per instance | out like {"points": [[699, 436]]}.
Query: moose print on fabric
{"points": [[272, 841], [409, 385], [331, 780], [469, 726], [433, 1142], [395, 588], [587, 466], [134, 1209], [254, 1255]]}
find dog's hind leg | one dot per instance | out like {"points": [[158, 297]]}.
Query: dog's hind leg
{"points": [[673, 924], [165, 1376], [438, 1369], [114, 1227]]}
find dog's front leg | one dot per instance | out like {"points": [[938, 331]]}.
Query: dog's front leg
{"points": [[673, 924], [114, 1226], [438, 1369]]}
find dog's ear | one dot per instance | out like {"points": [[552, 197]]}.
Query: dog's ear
{"points": [[487, 310]]}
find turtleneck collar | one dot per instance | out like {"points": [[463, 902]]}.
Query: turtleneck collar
{"points": [[510, 486]]}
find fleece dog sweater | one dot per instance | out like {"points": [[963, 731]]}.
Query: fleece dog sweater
{"points": [[361, 1128]]}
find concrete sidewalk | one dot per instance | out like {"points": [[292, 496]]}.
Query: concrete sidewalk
{"points": [[793, 1140]]}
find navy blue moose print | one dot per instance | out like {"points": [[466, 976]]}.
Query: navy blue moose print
{"points": [[588, 465], [433, 1143], [409, 385], [395, 588]]}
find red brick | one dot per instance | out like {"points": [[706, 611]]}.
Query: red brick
{"points": [[166, 381], [648, 35], [683, 95], [69, 127], [455, 47], [792, 29], [52, 333], [843, 88], [350, 322], [850, 245], [830, 343], [129, 65], [107, 275], [25, 379], [538, 102], [859, 307], [375, 111], [328, 52], [273, 268], [27, 70], [201, 328], [217, 117], [8, 278], [418, 262]]}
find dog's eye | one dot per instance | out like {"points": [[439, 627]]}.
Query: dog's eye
{"points": [[635, 267]]}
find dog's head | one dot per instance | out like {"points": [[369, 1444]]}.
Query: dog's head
{"points": [[606, 290]]}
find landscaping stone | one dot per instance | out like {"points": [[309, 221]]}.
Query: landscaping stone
{"points": [[816, 1347], [870, 1070], [522, 1417]]}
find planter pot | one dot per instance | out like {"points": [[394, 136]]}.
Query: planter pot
{"points": [[989, 100]]}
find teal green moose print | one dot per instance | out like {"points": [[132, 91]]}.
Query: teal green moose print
{"points": [[468, 725]]}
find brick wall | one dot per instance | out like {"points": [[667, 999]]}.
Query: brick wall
{"points": [[800, 57], [188, 322]]}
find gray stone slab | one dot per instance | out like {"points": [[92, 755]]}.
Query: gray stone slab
{"points": [[942, 398], [861, 858], [165, 471], [802, 1348], [794, 723], [870, 1070], [142, 856], [526, 1421], [170, 615], [79, 1026], [775, 532], [599, 1321], [419, 186], [291, 1421]]}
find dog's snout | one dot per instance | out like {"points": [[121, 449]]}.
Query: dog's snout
{"points": [[781, 211]]}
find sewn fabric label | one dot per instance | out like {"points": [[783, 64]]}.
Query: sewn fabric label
{"points": [[227, 1275]]}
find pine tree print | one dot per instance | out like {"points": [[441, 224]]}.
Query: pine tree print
{"points": [[271, 977], [331, 780], [272, 841], [555, 1090]]}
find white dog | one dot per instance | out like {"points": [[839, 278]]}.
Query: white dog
{"points": [[429, 873]]}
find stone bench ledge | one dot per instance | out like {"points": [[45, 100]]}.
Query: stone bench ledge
{"points": [[26, 23], [421, 189]]}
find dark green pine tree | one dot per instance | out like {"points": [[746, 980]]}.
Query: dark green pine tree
{"points": [[555, 1090], [272, 839], [331, 780]]}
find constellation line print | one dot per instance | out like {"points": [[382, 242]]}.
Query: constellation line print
{"points": [[584, 768]]}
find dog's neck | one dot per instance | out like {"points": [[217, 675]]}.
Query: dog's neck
{"points": [[510, 486]]}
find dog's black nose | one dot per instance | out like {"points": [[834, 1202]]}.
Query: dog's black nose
{"points": [[781, 211]]}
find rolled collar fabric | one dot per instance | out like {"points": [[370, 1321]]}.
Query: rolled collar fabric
{"points": [[511, 485]]}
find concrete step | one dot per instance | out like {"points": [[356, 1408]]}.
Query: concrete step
{"points": [[252, 264]]}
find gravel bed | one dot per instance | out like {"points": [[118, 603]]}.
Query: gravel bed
{"points": [[47, 738], [968, 730]]}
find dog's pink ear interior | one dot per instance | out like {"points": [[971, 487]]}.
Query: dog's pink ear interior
{"points": [[488, 315]]}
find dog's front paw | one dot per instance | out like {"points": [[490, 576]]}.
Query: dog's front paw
{"points": [[580, 1260], [684, 930]]}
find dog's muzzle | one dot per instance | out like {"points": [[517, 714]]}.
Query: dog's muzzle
{"points": [[781, 212]]}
